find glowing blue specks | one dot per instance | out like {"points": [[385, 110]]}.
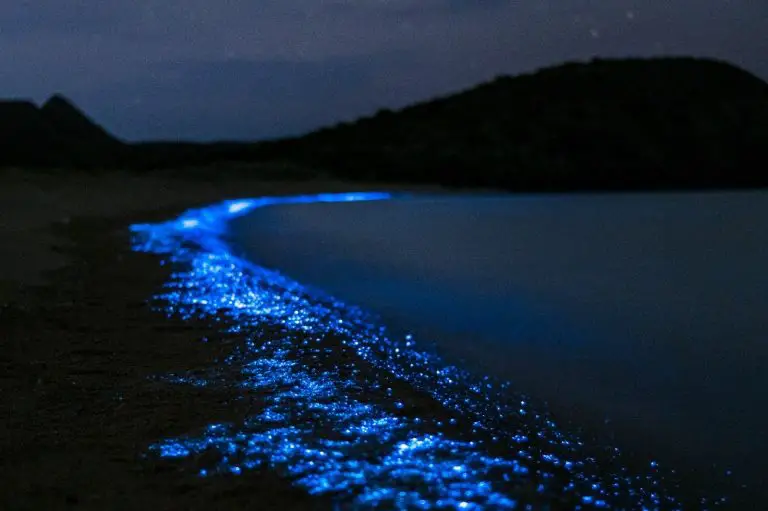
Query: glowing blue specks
{"points": [[173, 450], [240, 206], [342, 408]]}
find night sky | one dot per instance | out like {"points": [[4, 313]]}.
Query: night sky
{"points": [[249, 69]]}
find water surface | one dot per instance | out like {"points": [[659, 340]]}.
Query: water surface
{"points": [[641, 316]]}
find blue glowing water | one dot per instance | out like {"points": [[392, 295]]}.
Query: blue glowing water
{"points": [[345, 408], [645, 309]]}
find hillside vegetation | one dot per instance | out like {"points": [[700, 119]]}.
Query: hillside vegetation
{"points": [[656, 123], [661, 123]]}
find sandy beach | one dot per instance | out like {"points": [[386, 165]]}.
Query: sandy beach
{"points": [[79, 402], [34, 206], [81, 344]]}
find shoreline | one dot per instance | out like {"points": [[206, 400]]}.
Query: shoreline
{"points": [[351, 252], [35, 206], [81, 345], [81, 404], [81, 348]]}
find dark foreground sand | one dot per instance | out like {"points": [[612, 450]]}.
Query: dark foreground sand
{"points": [[79, 343]]}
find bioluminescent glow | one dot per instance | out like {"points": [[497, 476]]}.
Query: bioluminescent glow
{"points": [[342, 407]]}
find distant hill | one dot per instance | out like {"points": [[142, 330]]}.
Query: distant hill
{"points": [[56, 135], [65, 116], [168, 154], [606, 124], [663, 123], [26, 139]]}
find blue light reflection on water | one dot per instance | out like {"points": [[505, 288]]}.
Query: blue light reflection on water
{"points": [[322, 420]]}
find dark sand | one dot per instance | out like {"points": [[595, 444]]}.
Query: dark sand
{"points": [[78, 409], [80, 343]]}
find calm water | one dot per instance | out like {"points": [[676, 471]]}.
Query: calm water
{"points": [[643, 317]]}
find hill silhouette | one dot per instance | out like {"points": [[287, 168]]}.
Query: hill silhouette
{"points": [[56, 135], [26, 139], [606, 124], [65, 116], [659, 123]]}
